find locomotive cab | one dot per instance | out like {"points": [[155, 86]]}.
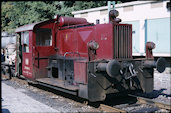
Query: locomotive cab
{"points": [[34, 44]]}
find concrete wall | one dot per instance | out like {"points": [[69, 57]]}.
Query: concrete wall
{"points": [[150, 20]]}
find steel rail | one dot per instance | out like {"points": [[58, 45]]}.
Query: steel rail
{"points": [[152, 102]]}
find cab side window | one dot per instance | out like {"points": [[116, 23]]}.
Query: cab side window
{"points": [[43, 37], [25, 41]]}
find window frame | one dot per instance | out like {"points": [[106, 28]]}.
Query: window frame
{"points": [[39, 41], [25, 41]]}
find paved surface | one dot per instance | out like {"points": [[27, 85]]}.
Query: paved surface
{"points": [[15, 101], [57, 100]]}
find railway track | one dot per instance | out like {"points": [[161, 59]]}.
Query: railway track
{"points": [[152, 102], [142, 104]]}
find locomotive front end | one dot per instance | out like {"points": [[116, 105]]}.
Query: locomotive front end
{"points": [[122, 72], [118, 75]]}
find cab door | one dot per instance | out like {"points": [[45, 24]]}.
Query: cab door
{"points": [[18, 63], [26, 40], [42, 49]]}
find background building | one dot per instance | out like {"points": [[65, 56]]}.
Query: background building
{"points": [[150, 21], [7, 38]]}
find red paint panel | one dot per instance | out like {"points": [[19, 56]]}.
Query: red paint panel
{"points": [[80, 71], [27, 67], [84, 35], [68, 41], [42, 70], [42, 52], [104, 37], [45, 51]]}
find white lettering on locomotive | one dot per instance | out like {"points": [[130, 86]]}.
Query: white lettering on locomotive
{"points": [[25, 67], [26, 61]]}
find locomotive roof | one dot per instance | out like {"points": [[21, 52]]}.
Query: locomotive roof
{"points": [[31, 26]]}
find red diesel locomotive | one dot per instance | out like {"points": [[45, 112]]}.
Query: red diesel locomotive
{"points": [[84, 59]]}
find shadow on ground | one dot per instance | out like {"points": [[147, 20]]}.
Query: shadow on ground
{"points": [[5, 111]]}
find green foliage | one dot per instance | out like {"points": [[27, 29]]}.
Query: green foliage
{"points": [[18, 13]]}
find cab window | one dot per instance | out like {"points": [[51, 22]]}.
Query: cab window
{"points": [[43, 37], [25, 41]]}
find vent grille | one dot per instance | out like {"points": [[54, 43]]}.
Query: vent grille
{"points": [[122, 41]]}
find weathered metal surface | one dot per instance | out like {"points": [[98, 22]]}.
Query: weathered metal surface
{"points": [[112, 68], [122, 46], [58, 83], [93, 45], [160, 64], [149, 47], [83, 91], [101, 67], [30, 26], [26, 27], [112, 16], [80, 72], [70, 21]]}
